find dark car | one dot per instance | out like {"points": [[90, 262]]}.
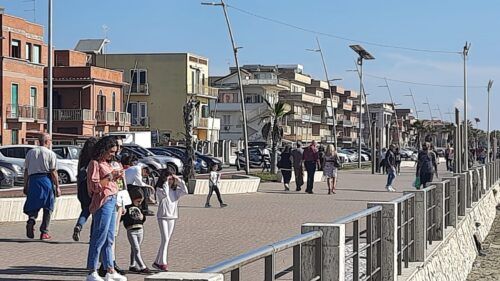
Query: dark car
{"points": [[7, 175], [210, 160], [18, 172], [255, 155], [200, 166]]}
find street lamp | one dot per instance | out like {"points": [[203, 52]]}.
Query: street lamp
{"points": [[465, 53], [49, 80], [394, 107], [414, 104], [362, 54], [242, 98], [490, 84], [333, 132]]}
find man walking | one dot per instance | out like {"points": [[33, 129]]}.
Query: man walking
{"points": [[426, 165], [298, 167], [390, 162], [41, 186], [311, 161]]}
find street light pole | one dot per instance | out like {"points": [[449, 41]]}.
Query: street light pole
{"points": [[465, 53], [49, 80], [414, 104], [363, 54], [490, 84], [394, 107], [242, 98]]}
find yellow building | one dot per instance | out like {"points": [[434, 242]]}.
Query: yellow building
{"points": [[159, 86]]}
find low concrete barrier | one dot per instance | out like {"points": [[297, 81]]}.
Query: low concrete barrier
{"points": [[237, 184], [66, 207]]}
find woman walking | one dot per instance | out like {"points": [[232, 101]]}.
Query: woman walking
{"points": [[101, 183], [213, 185], [81, 185], [330, 170], [169, 190], [285, 166]]}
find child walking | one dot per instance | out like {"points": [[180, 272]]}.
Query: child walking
{"points": [[213, 185], [133, 220], [169, 189]]}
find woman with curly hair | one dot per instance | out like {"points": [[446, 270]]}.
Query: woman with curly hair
{"points": [[102, 187]]}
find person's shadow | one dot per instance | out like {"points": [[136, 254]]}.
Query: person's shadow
{"points": [[45, 271]]}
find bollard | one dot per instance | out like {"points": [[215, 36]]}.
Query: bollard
{"points": [[453, 200], [333, 252], [439, 210], [185, 276], [420, 223], [389, 244]]}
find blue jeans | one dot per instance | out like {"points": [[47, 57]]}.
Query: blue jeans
{"points": [[103, 235], [391, 175], [84, 215], [311, 169]]}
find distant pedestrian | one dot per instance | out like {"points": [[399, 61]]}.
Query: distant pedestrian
{"points": [[266, 159], [427, 165], [103, 189], [41, 186], [134, 173], [311, 161], [321, 154], [213, 186], [298, 166], [81, 185], [383, 165], [133, 221], [286, 164], [449, 155], [169, 189], [397, 154], [332, 163], [390, 162]]}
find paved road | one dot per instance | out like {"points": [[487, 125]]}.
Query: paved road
{"points": [[202, 236]]}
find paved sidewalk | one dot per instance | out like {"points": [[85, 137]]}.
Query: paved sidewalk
{"points": [[202, 236]]}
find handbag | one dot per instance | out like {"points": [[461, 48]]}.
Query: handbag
{"points": [[416, 183]]}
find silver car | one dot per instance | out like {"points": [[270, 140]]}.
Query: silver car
{"points": [[167, 162]]}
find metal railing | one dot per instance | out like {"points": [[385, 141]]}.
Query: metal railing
{"points": [[234, 265], [72, 115], [105, 116], [447, 207], [372, 243], [405, 230], [430, 213]]}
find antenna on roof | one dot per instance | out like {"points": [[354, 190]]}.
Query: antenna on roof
{"points": [[32, 9]]}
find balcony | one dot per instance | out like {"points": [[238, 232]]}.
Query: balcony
{"points": [[301, 96], [139, 89], [328, 102], [107, 117], [122, 118], [204, 91], [346, 106], [26, 113], [207, 123], [141, 122], [266, 82], [345, 123], [73, 115], [327, 120]]}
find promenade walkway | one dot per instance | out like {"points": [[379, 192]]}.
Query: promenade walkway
{"points": [[202, 236]]}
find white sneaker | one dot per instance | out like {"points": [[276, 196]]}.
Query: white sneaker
{"points": [[94, 277], [392, 189], [115, 276], [388, 188]]}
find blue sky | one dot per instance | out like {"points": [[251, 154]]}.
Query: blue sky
{"points": [[187, 26]]}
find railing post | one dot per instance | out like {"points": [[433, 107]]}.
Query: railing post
{"points": [[332, 248], [420, 223], [484, 181], [475, 184], [468, 189], [454, 181], [389, 245], [439, 211], [462, 194]]}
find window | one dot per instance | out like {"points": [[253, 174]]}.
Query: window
{"points": [[14, 99], [37, 53], [226, 119], [138, 113], [101, 102], [33, 96], [253, 98], [15, 152], [15, 138], [228, 98], [192, 81], [139, 79], [28, 51], [113, 102], [205, 111], [15, 50]]}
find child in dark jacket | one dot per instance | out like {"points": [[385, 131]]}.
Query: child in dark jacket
{"points": [[133, 221]]}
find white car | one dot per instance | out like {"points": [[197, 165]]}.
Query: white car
{"points": [[66, 168]]}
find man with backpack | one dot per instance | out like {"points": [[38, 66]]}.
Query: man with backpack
{"points": [[426, 165], [390, 162]]}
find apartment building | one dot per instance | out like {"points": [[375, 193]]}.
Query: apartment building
{"points": [[159, 84], [383, 114], [346, 116], [259, 83], [23, 58], [87, 100], [405, 132]]}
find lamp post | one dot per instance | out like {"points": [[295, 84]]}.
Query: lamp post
{"points": [[334, 130], [362, 54], [465, 53], [490, 84], [394, 107], [242, 98], [49, 80], [414, 104]]}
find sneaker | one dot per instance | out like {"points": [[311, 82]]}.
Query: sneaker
{"points": [[94, 277], [145, 271], [76, 233], [115, 276], [30, 230], [45, 236], [392, 189], [134, 269], [160, 267], [388, 188], [207, 205], [101, 271], [222, 205], [118, 269]]}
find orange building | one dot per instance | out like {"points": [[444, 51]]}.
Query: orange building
{"points": [[23, 58]]}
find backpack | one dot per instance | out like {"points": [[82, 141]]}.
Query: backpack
{"points": [[81, 185]]}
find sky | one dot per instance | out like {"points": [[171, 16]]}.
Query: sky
{"points": [[187, 26]]}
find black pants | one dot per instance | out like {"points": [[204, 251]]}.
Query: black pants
{"points": [[212, 189], [287, 175], [425, 178], [398, 167], [311, 169], [299, 177]]}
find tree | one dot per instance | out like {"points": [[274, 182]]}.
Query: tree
{"points": [[420, 129], [189, 108], [273, 128]]}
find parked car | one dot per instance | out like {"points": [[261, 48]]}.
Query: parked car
{"points": [[7, 176], [16, 169], [159, 162], [16, 154], [200, 166], [210, 160], [67, 151], [255, 155]]}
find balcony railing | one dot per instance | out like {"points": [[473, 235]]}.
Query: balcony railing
{"points": [[346, 106], [205, 91], [139, 121], [122, 118], [275, 81], [207, 123], [140, 89], [26, 112], [73, 115], [105, 116]]}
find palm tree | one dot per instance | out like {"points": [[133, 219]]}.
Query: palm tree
{"points": [[188, 110], [273, 127], [420, 129]]}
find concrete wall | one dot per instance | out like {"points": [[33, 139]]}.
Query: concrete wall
{"points": [[453, 258], [66, 207], [238, 184]]}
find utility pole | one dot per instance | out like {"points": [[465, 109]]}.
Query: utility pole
{"points": [[414, 104], [394, 107], [490, 84], [49, 80], [465, 53], [242, 97]]}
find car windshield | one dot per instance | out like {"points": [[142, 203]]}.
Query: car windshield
{"points": [[74, 152], [141, 150]]}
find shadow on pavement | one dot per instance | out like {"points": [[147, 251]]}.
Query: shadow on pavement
{"points": [[18, 240], [42, 271]]}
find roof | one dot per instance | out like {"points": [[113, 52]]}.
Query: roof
{"points": [[94, 46]]}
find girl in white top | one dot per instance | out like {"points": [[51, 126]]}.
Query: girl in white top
{"points": [[169, 190], [213, 185]]}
